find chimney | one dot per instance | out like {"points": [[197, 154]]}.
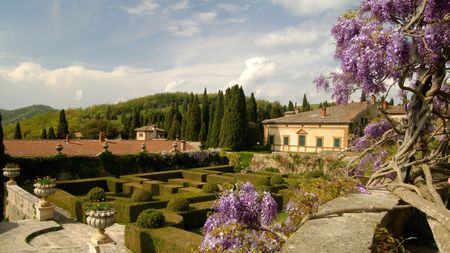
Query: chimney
{"points": [[101, 136], [183, 145], [385, 105], [323, 112], [67, 138]]}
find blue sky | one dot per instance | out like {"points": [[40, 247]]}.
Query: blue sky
{"points": [[77, 53]]}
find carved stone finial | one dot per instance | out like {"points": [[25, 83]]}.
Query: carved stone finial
{"points": [[59, 148], [143, 147], [105, 146]]}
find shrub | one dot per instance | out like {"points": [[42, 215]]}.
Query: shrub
{"points": [[272, 169], [141, 195], [263, 188], [178, 205], [151, 218], [96, 194], [276, 179], [210, 188]]}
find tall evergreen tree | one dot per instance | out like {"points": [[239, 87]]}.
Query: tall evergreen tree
{"points": [[187, 108], [391, 102], [193, 125], [204, 118], [277, 110], [44, 134], [63, 125], [17, 132], [235, 121], [175, 128], [51, 134], [251, 107], [290, 106], [108, 113], [168, 119], [212, 108], [2, 150], [213, 137], [135, 122], [305, 104], [363, 97]]}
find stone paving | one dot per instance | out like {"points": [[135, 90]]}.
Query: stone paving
{"points": [[72, 238], [350, 232]]}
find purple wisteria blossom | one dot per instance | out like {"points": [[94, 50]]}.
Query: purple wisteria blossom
{"points": [[238, 220]]}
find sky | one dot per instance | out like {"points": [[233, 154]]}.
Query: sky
{"points": [[76, 53]]}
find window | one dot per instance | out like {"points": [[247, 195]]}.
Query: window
{"points": [[301, 140], [319, 142], [271, 139], [337, 142], [285, 140], [141, 135]]}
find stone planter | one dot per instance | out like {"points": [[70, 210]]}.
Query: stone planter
{"points": [[43, 191], [11, 173], [100, 220]]}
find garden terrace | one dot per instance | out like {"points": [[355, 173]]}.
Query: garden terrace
{"points": [[164, 186]]}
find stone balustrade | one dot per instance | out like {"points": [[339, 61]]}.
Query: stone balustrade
{"points": [[19, 204]]}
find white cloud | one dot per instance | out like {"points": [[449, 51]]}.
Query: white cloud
{"points": [[175, 85], [205, 17], [232, 8], [256, 68], [185, 28], [292, 36], [313, 7], [180, 6], [78, 95], [144, 7]]}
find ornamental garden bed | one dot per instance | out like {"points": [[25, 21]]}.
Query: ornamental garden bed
{"points": [[163, 187]]}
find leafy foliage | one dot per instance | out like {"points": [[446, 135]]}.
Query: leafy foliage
{"points": [[210, 188], [276, 179], [178, 205], [141, 195], [96, 194], [150, 218]]}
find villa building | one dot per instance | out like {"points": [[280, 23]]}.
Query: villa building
{"points": [[325, 129], [149, 132]]}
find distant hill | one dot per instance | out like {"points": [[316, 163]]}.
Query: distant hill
{"points": [[11, 116], [32, 121]]}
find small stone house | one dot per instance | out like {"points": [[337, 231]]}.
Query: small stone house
{"points": [[149, 132], [325, 129]]}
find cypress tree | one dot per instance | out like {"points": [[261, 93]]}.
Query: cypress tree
{"points": [[204, 118], [187, 108], [193, 125], [2, 149], [252, 111], [305, 104], [63, 125], [44, 134], [391, 102], [235, 121], [17, 132], [175, 128], [213, 137], [363, 97], [168, 119], [290, 106], [212, 108], [51, 134]]}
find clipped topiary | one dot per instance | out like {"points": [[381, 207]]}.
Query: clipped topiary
{"points": [[141, 195], [263, 188], [178, 205], [276, 179], [151, 218], [96, 194], [210, 188]]}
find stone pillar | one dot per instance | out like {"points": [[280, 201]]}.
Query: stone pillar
{"points": [[44, 213], [183, 145]]}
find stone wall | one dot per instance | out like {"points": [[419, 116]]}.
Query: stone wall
{"points": [[19, 204]]}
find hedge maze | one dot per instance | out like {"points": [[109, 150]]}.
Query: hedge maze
{"points": [[163, 187]]}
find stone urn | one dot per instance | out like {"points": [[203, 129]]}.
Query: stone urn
{"points": [[100, 219], [11, 173], [43, 191]]}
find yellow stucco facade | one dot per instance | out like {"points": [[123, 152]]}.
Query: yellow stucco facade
{"points": [[307, 138]]}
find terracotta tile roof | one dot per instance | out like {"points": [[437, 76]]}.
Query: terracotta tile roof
{"points": [[339, 114], [149, 128], [84, 147], [396, 109]]}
